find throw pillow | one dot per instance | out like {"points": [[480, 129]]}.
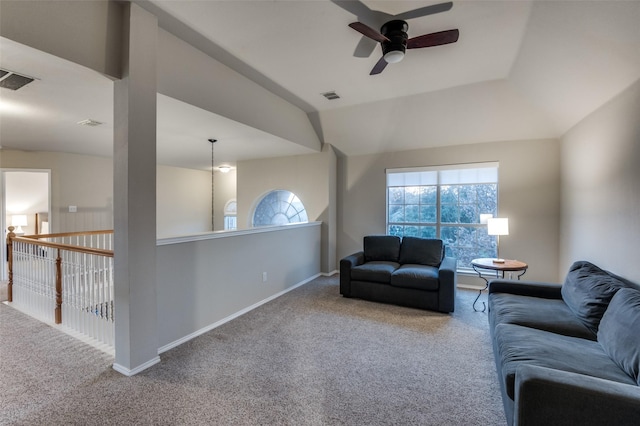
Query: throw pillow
{"points": [[619, 332], [381, 248], [421, 251], [587, 291]]}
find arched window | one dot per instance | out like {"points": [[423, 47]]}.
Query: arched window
{"points": [[278, 208], [230, 215]]}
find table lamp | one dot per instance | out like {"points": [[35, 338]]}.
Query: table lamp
{"points": [[19, 220], [498, 226]]}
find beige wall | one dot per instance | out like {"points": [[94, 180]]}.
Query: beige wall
{"points": [[601, 188], [225, 190], [76, 180], [183, 201], [310, 177], [529, 185], [183, 195]]}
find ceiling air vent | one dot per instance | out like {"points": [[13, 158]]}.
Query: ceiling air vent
{"points": [[13, 81], [89, 122], [331, 95]]}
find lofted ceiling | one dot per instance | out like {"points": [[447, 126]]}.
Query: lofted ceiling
{"points": [[520, 70]]}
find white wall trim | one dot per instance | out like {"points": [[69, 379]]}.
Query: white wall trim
{"points": [[127, 372], [216, 324], [224, 234]]}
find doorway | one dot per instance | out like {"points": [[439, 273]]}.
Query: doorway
{"points": [[25, 200]]}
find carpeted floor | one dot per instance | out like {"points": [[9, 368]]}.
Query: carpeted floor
{"points": [[310, 357]]}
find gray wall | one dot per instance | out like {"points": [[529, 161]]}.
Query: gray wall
{"points": [[88, 33], [601, 188], [203, 282], [529, 196]]}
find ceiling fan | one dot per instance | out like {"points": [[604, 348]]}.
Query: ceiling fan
{"points": [[393, 34]]}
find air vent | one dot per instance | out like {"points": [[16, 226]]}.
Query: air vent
{"points": [[13, 81], [331, 95], [89, 122]]}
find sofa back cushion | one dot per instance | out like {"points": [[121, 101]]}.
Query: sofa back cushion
{"points": [[421, 251], [619, 331], [587, 291], [381, 247]]}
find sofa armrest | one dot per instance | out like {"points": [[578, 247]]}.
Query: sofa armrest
{"points": [[526, 288], [447, 277], [346, 264], [545, 396]]}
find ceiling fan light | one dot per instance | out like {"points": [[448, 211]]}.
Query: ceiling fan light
{"points": [[394, 56]]}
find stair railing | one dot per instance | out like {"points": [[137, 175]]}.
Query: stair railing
{"points": [[65, 278]]}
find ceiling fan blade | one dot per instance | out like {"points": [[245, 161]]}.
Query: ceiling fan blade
{"points": [[433, 39], [379, 67], [424, 11], [368, 31]]}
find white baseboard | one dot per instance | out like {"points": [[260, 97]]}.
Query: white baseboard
{"points": [[216, 324], [131, 372]]}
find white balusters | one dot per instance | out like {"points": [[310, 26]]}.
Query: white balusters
{"points": [[87, 282]]}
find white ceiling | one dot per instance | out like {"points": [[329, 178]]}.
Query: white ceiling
{"points": [[520, 70]]}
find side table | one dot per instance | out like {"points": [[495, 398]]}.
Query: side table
{"points": [[484, 265]]}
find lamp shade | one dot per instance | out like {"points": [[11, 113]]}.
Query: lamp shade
{"points": [[19, 220], [498, 226]]}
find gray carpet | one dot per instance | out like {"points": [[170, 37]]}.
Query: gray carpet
{"points": [[309, 357]]}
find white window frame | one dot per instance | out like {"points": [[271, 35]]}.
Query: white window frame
{"points": [[439, 176]]}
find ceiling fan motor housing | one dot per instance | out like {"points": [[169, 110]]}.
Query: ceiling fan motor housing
{"points": [[396, 32]]}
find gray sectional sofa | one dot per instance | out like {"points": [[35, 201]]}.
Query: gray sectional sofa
{"points": [[568, 354], [411, 272]]}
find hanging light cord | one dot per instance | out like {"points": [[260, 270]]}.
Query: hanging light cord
{"points": [[213, 141]]}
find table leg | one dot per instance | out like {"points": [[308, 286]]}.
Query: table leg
{"points": [[486, 286]]}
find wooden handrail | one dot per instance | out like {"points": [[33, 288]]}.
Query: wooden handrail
{"points": [[69, 247]]}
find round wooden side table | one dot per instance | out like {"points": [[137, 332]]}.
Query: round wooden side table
{"points": [[485, 265]]}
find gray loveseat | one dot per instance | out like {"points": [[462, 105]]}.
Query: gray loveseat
{"points": [[411, 272], [568, 354]]}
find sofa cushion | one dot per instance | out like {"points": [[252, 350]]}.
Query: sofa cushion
{"points": [[421, 251], [587, 291], [536, 312], [381, 247], [619, 331], [374, 271], [419, 277], [515, 345]]}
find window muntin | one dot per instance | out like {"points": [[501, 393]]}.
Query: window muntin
{"points": [[278, 208], [445, 202]]}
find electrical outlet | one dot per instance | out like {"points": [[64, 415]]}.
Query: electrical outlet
{"points": [[264, 277]]}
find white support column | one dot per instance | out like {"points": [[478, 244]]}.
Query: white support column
{"points": [[136, 325]]}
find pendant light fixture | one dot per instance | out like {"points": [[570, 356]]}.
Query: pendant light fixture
{"points": [[213, 142]]}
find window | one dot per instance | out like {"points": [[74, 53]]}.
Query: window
{"points": [[445, 202], [278, 208], [230, 215]]}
